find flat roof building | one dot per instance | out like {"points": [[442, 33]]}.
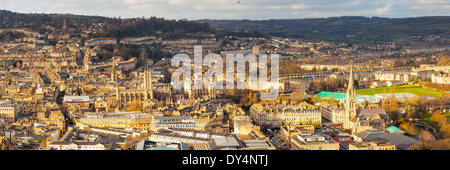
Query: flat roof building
{"points": [[309, 141], [225, 143], [400, 141], [160, 144], [76, 139], [372, 145]]}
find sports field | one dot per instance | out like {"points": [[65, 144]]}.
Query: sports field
{"points": [[413, 89]]}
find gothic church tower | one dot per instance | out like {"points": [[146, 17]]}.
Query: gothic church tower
{"points": [[350, 102]]}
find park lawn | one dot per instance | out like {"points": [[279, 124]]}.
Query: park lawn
{"points": [[413, 89]]}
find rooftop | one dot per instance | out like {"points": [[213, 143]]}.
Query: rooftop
{"points": [[148, 144], [256, 143], [76, 98], [82, 137], [369, 113], [371, 143], [400, 141], [223, 143], [117, 115], [397, 95], [338, 96], [243, 122]]}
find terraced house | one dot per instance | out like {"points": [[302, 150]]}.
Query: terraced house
{"points": [[285, 114], [122, 120]]}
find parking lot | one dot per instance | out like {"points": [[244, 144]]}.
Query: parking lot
{"points": [[275, 138]]}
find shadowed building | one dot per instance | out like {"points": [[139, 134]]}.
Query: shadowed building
{"points": [[145, 93]]}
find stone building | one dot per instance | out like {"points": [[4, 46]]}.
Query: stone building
{"points": [[285, 114]]}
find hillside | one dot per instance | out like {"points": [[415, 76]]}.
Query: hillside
{"points": [[103, 26], [99, 26], [343, 29], [352, 29]]}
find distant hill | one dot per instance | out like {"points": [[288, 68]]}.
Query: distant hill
{"points": [[116, 27], [9, 19], [103, 26], [351, 29]]}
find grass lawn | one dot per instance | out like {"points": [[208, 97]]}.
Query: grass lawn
{"points": [[413, 89]]}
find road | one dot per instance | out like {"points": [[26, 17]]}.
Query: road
{"points": [[46, 79], [68, 120]]}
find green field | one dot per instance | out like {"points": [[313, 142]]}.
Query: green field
{"points": [[413, 89]]}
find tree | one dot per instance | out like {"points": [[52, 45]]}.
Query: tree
{"points": [[168, 113], [236, 94], [356, 83], [255, 98], [281, 97], [393, 105], [366, 103], [401, 121], [444, 60], [438, 117], [433, 145], [244, 100], [18, 63], [421, 108], [409, 128], [308, 100], [297, 95], [445, 129], [334, 69], [116, 52], [135, 105], [411, 104]]}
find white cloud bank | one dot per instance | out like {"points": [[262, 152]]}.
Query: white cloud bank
{"points": [[234, 9]]}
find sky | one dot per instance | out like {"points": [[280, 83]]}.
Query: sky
{"points": [[233, 9]]}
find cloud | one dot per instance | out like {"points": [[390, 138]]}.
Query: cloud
{"points": [[231, 9]]}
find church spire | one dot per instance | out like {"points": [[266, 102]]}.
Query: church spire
{"points": [[350, 107], [350, 80], [116, 52]]}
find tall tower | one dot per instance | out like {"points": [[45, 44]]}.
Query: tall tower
{"points": [[256, 50], [113, 70], [148, 84], [187, 88], [64, 27], [118, 98], [383, 100], [350, 107]]}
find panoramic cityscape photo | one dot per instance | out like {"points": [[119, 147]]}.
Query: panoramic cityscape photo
{"points": [[230, 75]]}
